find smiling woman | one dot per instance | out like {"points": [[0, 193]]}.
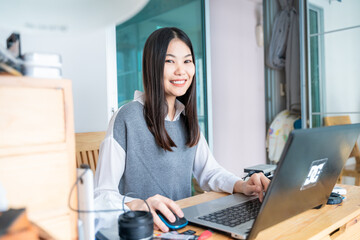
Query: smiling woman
{"points": [[156, 137]]}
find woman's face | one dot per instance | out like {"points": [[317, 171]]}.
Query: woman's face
{"points": [[179, 69]]}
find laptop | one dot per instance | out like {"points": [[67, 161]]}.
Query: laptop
{"points": [[309, 166]]}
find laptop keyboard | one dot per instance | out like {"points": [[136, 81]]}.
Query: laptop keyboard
{"points": [[235, 215]]}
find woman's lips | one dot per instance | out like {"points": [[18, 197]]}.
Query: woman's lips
{"points": [[178, 82]]}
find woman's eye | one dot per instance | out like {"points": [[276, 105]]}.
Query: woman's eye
{"points": [[169, 61], [188, 61]]}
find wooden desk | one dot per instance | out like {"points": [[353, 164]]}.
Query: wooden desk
{"points": [[330, 222]]}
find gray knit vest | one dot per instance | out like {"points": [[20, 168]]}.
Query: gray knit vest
{"points": [[149, 169]]}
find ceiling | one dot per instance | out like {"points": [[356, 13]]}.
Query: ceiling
{"points": [[65, 16]]}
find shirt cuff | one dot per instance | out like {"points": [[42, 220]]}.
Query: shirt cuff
{"points": [[229, 184]]}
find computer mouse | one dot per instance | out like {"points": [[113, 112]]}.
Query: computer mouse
{"points": [[178, 224]]}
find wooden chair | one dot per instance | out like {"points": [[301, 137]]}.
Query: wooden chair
{"points": [[87, 148], [352, 170]]}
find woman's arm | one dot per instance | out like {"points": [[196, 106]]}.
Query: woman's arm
{"points": [[207, 171], [109, 170], [211, 176]]}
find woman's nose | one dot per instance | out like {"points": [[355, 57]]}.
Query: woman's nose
{"points": [[179, 69]]}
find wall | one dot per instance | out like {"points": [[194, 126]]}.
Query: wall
{"points": [[237, 68], [84, 62]]}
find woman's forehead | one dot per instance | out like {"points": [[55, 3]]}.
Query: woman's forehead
{"points": [[177, 47]]}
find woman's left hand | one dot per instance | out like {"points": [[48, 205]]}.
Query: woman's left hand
{"points": [[256, 185]]}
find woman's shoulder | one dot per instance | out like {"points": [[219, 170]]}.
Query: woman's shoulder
{"points": [[130, 110]]}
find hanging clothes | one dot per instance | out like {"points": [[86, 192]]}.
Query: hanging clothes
{"points": [[284, 52], [277, 47]]}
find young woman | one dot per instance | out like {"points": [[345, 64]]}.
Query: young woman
{"points": [[153, 145]]}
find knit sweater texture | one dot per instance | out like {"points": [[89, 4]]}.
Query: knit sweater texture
{"points": [[149, 169]]}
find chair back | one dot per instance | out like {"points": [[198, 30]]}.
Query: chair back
{"points": [[87, 148]]}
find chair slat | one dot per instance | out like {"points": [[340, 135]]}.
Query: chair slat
{"points": [[78, 159]]}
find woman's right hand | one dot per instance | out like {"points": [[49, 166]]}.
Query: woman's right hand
{"points": [[163, 204]]}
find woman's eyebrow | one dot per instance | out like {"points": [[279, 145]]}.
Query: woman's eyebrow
{"points": [[171, 55]]}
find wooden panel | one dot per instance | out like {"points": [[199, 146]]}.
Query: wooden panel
{"points": [[52, 177], [30, 149], [37, 151], [31, 116]]}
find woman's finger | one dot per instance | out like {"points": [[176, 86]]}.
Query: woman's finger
{"points": [[163, 208], [159, 223], [255, 178], [174, 208], [265, 182], [170, 204]]}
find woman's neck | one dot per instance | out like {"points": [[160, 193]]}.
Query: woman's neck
{"points": [[171, 107]]}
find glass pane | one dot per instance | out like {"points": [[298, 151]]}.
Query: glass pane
{"points": [[314, 67], [131, 36], [339, 13], [342, 71]]}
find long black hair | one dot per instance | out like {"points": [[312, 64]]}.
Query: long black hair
{"points": [[155, 109]]}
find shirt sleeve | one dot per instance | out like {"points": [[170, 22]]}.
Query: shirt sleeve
{"points": [[109, 170], [209, 174]]}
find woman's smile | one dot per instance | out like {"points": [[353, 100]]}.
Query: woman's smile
{"points": [[178, 82]]}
